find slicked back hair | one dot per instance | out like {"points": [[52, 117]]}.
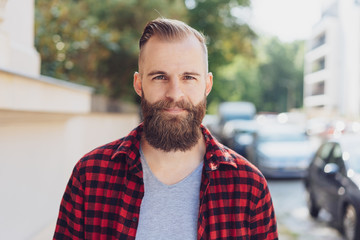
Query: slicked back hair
{"points": [[170, 30]]}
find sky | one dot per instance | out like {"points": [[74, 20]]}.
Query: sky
{"points": [[287, 19]]}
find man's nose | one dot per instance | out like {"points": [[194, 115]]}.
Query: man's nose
{"points": [[174, 90]]}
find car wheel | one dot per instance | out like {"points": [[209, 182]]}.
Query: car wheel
{"points": [[311, 204], [350, 223]]}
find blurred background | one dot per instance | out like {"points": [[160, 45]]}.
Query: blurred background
{"points": [[286, 92]]}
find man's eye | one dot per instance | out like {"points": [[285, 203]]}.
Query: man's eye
{"points": [[189, 78], [160, 77]]}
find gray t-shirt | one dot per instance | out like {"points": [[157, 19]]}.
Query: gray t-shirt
{"points": [[169, 211]]}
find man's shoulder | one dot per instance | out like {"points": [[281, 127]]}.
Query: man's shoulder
{"points": [[112, 152], [106, 150], [241, 162], [237, 166], [102, 153], [227, 160]]}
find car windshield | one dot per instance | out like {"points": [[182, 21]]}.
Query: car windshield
{"points": [[230, 117], [282, 137]]}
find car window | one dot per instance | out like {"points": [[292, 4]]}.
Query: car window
{"points": [[336, 157], [323, 154], [352, 158], [282, 137]]}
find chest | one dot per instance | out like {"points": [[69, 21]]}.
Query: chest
{"points": [[220, 207], [169, 211]]}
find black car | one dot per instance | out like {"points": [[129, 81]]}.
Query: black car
{"points": [[333, 183]]}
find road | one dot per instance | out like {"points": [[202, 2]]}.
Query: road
{"points": [[294, 222]]}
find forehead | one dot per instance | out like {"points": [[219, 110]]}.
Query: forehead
{"points": [[175, 52]]}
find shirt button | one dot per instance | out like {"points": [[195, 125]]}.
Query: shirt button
{"points": [[135, 219]]}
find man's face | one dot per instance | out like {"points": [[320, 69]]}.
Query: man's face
{"points": [[173, 84], [173, 70]]}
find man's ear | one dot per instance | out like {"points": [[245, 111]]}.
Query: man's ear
{"points": [[209, 83], [137, 84]]}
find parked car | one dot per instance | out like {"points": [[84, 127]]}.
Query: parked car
{"points": [[229, 111], [239, 134], [333, 183], [281, 151], [236, 110]]}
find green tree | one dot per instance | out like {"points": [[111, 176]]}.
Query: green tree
{"points": [[280, 75], [95, 42], [239, 82], [227, 36]]}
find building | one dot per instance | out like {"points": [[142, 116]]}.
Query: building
{"points": [[46, 125], [332, 62], [17, 51]]}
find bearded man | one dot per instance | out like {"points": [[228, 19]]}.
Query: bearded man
{"points": [[169, 178]]}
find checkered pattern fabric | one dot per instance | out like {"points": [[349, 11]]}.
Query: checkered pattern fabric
{"points": [[103, 196]]}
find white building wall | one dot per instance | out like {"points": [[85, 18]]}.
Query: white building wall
{"points": [[329, 26], [45, 127], [342, 70], [332, 65], [38, 153], [19, 92], [349, 17], [17, 51]]}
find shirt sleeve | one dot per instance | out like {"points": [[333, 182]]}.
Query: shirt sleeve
{"points": [[70, 222], [263, 222]]}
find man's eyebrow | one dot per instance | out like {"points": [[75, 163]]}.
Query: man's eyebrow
{"points": [[156, 73], [191, 73]]}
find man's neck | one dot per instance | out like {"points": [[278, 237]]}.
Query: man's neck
{"points": [[171, 167]]}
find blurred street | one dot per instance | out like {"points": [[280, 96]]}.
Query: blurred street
{"points": [[294, 221]]}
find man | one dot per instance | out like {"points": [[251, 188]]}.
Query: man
{"points": [[169, 178]]}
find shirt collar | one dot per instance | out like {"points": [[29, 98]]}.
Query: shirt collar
{"points": [[216, 154], [130, 148]]}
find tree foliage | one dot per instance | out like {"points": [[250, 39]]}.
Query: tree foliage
{"points": [[238, 81], [96, 42], [227, 39], [280, 75], [273, 80]]}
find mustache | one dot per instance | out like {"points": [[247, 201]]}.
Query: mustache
{"points": [[165, 104], [172, 133]]}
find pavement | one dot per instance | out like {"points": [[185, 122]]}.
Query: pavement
{"points": [[294, 221]]}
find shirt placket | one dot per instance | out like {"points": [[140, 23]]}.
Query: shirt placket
{"points": [[205, 182]]}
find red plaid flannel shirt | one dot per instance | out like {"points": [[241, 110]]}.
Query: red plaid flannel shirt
{"points": [[103, 196]]}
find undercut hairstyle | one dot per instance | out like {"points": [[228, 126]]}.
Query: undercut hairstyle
{"points": [[170, 30]]}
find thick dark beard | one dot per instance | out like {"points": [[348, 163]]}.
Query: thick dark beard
{"points": [[172, 133]]}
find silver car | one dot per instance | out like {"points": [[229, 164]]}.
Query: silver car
{"points": [[281, 151]]}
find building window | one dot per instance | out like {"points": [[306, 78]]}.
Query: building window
{"points": [[318, 41], [318, 65], [316, 89]]}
